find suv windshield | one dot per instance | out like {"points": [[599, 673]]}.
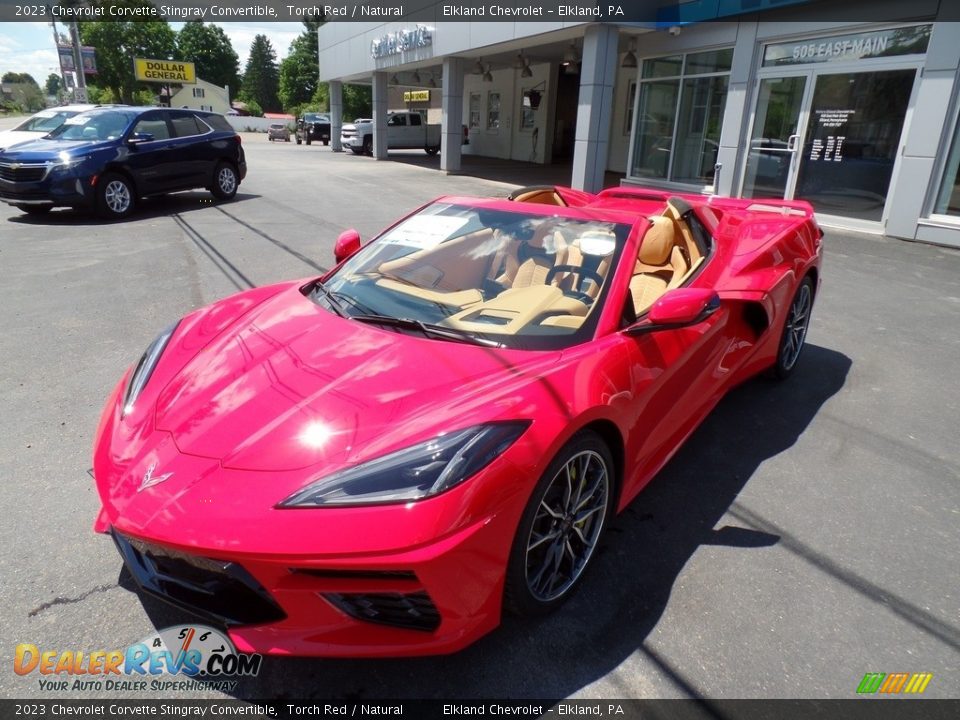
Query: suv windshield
{"points": [[519, 279], [104, 125], [46, 121]]}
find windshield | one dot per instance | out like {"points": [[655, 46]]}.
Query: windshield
{"points": [[315, 117], [518, 279], [45, 121], [107, 125]]}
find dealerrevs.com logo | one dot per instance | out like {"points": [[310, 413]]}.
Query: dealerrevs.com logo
{"points": [[894, 683], [182, 657]]}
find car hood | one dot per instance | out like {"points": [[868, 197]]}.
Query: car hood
{"points": [[292, 386], [42, 150], [9, 138]]}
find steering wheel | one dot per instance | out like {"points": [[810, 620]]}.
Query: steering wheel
{"points": [[583, 273]]}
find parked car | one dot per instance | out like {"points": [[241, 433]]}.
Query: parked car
{"points": [[106, 159], [405, 131], [313, 126], [38, 125], [382, 460], [278, 131]]}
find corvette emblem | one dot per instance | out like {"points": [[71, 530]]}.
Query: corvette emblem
{"points": [[149, 480]]}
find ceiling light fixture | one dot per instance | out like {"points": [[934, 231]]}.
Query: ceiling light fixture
{"points": [[487, 76], [630, 59]]}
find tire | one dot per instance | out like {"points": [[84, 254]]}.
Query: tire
{"points": [[269, 139], [431, 151], [535, 584], [309, 141], [225, 181], [794, 331], [299, 140], [326, 143], [34, 209], [115, 196], [356, 151], [368, 145]]}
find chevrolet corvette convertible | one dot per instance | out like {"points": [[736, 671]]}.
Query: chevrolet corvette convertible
{"points": [[385, 459]]}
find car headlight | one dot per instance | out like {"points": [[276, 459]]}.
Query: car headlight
{"points": [[67, 163], [144, 369], [415, 473]]}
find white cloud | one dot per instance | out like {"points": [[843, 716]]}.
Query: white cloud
{"points": [[28, 47]]}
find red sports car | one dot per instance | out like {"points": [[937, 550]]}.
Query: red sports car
{"points": [[383, 460]]}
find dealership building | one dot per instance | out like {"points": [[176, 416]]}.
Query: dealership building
{"points": [[850, 106]]}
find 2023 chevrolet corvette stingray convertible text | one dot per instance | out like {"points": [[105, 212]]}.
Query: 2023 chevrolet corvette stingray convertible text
{"points": [[383, 460]]}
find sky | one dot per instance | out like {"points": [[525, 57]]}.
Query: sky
{"points": [[29, 47]]}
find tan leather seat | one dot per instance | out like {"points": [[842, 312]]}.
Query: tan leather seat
{"points": [[660, 266], [524, 267], [684, 237]]}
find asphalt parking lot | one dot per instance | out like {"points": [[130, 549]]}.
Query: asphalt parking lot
{"points": [[805, 535]]}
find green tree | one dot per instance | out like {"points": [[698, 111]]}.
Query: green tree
{"points": [[209, 47], [18, 78], [52, 86], [117, 42], [261, 81], [300, 69], [357, 102]]}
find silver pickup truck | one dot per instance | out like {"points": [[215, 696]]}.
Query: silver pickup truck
{"points": [[405, 131]]}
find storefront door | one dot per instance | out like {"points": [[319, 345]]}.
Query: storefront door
{"points": [[828, 120]]}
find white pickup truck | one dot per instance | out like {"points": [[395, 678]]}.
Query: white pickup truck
{"points": [[405, 131]]}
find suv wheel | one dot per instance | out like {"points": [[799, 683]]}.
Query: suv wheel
{"points": [[115, 196], [368, 145], [225, 181]]}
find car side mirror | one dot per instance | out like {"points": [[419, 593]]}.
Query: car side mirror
{"points": [[347, 244], [678, 308], [138, 138]]}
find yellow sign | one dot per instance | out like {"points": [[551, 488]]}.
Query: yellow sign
{"points": [[165, 71], [416, 96]]}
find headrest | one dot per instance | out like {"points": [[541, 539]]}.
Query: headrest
{"points": [[658, 242]]}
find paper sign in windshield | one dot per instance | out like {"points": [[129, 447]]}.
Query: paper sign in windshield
{"points": [[425, 231]]}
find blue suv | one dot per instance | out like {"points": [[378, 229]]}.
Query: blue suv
{"points": [[108, 158]]}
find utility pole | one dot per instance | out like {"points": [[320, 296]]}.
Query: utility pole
{"points": [[81, 91], [63, 73]]}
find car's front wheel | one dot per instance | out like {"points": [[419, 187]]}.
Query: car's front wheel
{"points": [[225, 181], [299, 141], [432, 150], [368, 145], [115, 196], [794, 330], [561, 527]]}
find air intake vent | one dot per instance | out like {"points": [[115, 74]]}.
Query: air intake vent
{"points": [[414, 611]]}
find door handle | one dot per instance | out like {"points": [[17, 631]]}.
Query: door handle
{"points": [[792, 143]]}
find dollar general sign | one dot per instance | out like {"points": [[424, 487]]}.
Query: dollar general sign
{"points": [[165, 71]]}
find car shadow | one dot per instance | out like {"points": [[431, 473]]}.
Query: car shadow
{"points": [[150, 208], [628, 588]]}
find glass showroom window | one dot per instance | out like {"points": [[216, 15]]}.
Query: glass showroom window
{"points": [[679, 115], [948, 201]]}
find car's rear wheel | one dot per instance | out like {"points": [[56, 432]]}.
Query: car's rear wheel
{"points": [[309, 141], [299, 141], [115, 196], [432, 150], [326, 142], [794, 331], [561, 527], [34, 209], [225, 181]]}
